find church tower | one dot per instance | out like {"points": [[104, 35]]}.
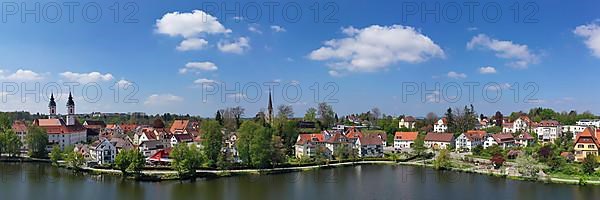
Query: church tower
{"points": [[52, 106], [71, 111], [270, 109]]}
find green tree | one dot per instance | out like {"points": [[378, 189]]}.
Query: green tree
{"points": [[56, 154], [212, 141], [122, 161], [311, 114], [37, 139], [10, 143], [137, 161], [219, 118], [419, 145], [450, 120], [442, 160], [246, 133], [186, 159], [589, 164], [261, 148], [75, 160]]}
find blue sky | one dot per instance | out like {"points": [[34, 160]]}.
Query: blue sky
{"points": [[373, 49]]}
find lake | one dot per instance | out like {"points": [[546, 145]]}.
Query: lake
{"points": [[42, 181]]}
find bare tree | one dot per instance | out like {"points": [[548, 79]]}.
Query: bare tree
{"points": [[285, 111]]}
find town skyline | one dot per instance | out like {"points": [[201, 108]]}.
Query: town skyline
{"points": [[229, 48]]}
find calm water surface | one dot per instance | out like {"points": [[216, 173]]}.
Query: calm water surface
{"points": [[41, 181]]}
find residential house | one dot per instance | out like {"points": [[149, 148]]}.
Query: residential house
{"points": [[441, 126], [520, 124], [380, 134], [103, 152], [336, 141], [407, 122], [353, 134], [574, 129], [181, 138], [438, 141], [548, 130], [20, 128], [404, 140], [122, 142], [307, 145], [589, 122], [524, 139], [369, 146], [230, 147], [83, 149], [150, 147], [586, 143], [469, 140], [504, 140]]}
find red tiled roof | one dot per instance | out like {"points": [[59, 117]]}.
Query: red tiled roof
{"points": [[58, 126], [503, 137], [336, 138], [179, 125], [587, 137], [354, 133], [311, 137], [406, 136], [439, 137], [546, 123], [19, 126]]}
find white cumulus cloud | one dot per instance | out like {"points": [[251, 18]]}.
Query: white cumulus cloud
{"points": [[456, 75], [591, 33], [520, 54], [192, 44], [162, 99], [21, 75], [487, 70], [87, 77], [189, 24], [376, 47], [198, 66], [238, 47]]}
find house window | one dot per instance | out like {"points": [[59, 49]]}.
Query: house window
{"points": [[580, 146]]}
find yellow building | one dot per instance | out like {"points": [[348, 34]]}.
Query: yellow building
{"points": [[586, 143]]}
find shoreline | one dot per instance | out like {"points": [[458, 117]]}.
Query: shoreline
{"points": [[172, 175]]}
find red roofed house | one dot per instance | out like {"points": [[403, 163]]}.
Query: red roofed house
{"points": [[404, 140], [439, 140], [20, 128], [503, 140], [60, 132], [586, 143], [524, 139], [307, 145], [336, 141], [369, 146], [469, 140]]}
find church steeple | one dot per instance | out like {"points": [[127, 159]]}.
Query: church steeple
{"points": [[270, 109], [52, 106], [71, 111]]}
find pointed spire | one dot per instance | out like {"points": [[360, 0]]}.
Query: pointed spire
{"points": [[70, 102], [52, 102], [270, 108]]}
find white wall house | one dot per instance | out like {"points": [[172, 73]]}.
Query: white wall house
{"points": [[520, 124], [441, 126], [438, 141], [575, 129], [589, 122], [548, 130], [504, 140], [404, 140], [468, 141], [407, 122], [104, 152]]}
